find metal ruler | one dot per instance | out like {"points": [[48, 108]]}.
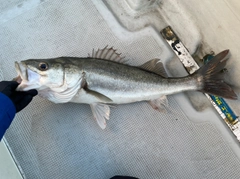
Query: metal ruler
{"points": [[191, 66]]}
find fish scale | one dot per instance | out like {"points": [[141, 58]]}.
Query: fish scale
{"points": [[100, 82]]}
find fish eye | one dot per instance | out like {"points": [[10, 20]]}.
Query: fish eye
{"points": [[43, 66]]}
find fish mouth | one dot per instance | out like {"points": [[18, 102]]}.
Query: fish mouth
{"points": [[26, 78], [22, 72]]}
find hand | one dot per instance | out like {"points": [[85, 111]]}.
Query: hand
{"points": [[19, 98]]}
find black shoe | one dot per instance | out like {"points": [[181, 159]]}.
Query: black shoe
{"points": [[123, 177]]}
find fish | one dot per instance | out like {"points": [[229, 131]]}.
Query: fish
{"points": [[105, 78]]}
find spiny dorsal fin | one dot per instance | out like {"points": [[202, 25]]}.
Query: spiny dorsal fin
{"points": [[108, 54], [155, 66]]}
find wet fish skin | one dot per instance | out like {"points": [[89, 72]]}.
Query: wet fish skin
{"points": [[100, 82], [124, 84], [119, 82]]}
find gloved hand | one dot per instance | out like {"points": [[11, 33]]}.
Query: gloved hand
{"points": [[19, 98]]}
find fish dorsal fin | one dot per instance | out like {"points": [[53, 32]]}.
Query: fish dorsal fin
{"points": [[155, 66], [108, 54]]}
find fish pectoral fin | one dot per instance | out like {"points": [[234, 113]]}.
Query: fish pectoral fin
{"points": [[98, 95], [160, 104], [155, 66], [101, 112]]}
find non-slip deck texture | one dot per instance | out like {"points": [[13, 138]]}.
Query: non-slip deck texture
{"points": [[63, 141]]}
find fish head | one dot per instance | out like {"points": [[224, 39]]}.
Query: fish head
{"points": [[39, 74]]}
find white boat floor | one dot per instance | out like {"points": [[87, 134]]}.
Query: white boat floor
{"points": [[63, 141]]}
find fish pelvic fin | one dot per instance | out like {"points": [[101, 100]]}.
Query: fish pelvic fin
{"points": [[210, 77], [101, 112]]}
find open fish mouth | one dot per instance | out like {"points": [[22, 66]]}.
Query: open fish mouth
{"points": [[22, 72], [26, 78]]}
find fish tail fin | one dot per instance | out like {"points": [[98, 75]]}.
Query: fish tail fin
{"points": [[211, 76]]}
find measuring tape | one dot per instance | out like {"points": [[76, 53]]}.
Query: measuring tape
{"points": [[191, 66], [220, 102]]}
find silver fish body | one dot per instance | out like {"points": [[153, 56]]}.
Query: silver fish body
{"points": [[99, 82], [126, 84]]}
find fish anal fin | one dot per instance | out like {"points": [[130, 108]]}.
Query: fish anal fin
{"points": [[99, 96], [160, 104], [155, 66], [108, 54], [101, 113]]}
